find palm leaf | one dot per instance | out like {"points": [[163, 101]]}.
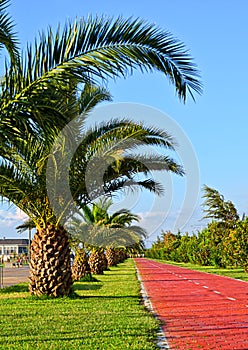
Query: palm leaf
{"points": [[28, 224], [103, 47], [8, 37]]}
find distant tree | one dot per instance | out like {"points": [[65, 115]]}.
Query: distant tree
{"points": [[217, 208], [236, 245]]}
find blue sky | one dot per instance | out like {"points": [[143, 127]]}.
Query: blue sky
{"points": [[215, 32]]}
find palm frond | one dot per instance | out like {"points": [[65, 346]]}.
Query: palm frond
{"points": [[128, 134], [128, 186], [103, 47], [8, 38], [105, 149], [91, 96], [28, 224]]}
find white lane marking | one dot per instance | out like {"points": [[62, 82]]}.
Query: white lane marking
{"points": [[215, 291]]}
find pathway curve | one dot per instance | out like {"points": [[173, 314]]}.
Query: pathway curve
{"points": [[198, 310]]}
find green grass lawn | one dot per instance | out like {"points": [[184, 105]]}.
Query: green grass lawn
{"points": [[106, 314], [237, 273]]}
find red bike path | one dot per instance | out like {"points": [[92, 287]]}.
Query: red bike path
{"points": [[197, 310]]}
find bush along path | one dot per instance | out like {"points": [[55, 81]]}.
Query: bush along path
{"points": [[198, 310]]}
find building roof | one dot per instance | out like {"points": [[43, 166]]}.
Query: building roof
{"points": [[13, 241]]}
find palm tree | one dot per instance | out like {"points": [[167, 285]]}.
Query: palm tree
{"points": [[23, 181], [111, 256], [39, 97], [101, 228], [97, 261]]}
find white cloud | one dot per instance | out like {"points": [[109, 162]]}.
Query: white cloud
{"points": [[14, 217]]}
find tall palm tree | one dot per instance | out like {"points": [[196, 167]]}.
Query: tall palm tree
{"points": [[39, 97], [23, 181]]}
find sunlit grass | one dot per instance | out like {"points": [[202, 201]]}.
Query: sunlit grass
{"points": [[100, 315]]}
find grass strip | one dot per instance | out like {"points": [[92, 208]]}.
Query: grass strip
{"points": [[237, 273], [106, 314]]}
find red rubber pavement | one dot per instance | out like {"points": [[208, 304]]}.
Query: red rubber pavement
{"points": [[198, 310]]}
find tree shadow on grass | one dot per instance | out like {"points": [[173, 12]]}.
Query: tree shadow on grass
{"points": [[88, 278], [16, 288], [77, 286], [86, 286]]}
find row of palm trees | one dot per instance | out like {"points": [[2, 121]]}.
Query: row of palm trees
{"points": [[96, 260], [99, 227], [46, 93], [103, 239]]}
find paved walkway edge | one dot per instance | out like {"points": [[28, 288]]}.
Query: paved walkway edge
{"points": [[162, 341]]}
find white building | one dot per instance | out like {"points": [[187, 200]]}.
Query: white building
{"points": [[13, 246]]}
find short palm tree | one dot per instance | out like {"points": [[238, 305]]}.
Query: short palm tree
{"points": [[101, 228], [80, 267], [97, 260], [111, 256]]}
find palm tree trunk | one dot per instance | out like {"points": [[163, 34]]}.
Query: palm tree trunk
{"points": [[81, 266], [111, 257], [97, 261], [50, 270]]}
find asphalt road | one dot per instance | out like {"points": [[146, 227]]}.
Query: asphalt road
{"points": [[14, 275]]}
